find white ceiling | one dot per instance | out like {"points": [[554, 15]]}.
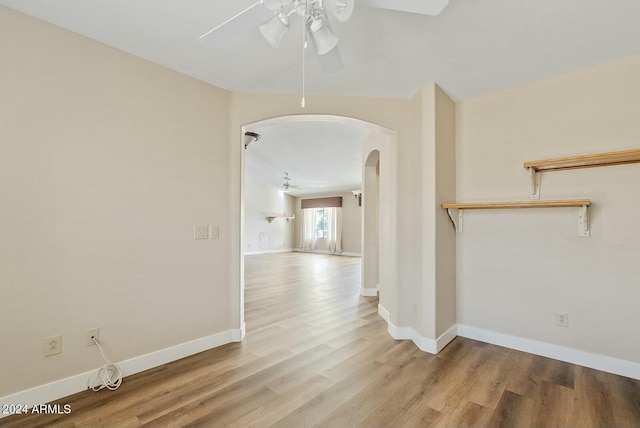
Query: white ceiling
{"points": [[473, 47], [320, 157]]}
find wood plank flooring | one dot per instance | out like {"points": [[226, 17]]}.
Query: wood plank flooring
{"points": [[318, 354]]}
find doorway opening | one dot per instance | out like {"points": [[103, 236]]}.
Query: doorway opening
{"points": [[379, 176], [371, 225]]}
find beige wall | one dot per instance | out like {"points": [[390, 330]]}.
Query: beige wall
{"points": [[434, 281], [261, 202], [444, 154], [516, 268], [351, 224], [370, 279], [107, 161]]}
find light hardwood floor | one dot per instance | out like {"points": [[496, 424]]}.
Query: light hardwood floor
{"points": [[317, 354]]}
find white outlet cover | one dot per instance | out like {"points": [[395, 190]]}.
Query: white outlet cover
{"points": [[52, 345], [93, 332], [562, 319]]}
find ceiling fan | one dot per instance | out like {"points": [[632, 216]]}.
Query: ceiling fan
{"points": [[315, 16], [287, 182]]}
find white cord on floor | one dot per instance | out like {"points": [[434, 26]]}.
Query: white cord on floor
{"points": [[109, 375]]}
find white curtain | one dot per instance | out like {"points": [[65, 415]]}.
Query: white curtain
{"points": [[308, 240], [334, 229]]}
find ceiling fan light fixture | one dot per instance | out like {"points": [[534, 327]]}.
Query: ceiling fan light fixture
{"points": [[322, 36], [275, 28], [341, 9]]}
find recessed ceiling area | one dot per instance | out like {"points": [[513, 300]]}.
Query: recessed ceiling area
{"points": [[319, 156]]}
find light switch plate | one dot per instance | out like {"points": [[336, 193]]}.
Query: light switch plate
{"points": [[200, 232], [215, 232]]}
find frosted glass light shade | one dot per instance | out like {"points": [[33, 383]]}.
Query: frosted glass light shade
{"points": [[323, 38], [274, 29]]}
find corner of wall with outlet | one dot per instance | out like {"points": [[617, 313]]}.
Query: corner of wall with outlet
{"points": [[109, 214], [77, 383]]}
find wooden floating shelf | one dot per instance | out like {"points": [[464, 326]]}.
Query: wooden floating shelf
{"points": [[585, 161], [519, 204], [291, 217], [581, 204], [575, 162]]}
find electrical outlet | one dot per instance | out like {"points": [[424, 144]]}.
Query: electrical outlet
{"points": [[94, 332], [200, 232], [562, 319], [53, 345]]}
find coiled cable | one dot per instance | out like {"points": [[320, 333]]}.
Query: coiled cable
{"points": [[108, 376]]}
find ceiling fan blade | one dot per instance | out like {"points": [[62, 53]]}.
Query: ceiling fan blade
{"points": [[331, 62], [231, 19], [424, 7]]}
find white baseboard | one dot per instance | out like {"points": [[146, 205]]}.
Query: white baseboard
{"points": [[557, 352], [409, 333], [300, 250], [279, 250], [237, 335], [64, 387], [562, 353], [368, 292], [445, 338], [384, 313]]}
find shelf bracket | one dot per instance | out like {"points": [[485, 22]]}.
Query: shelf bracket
{"points": [[534, 178], [456, 224], [583, 220], [285, 216]]}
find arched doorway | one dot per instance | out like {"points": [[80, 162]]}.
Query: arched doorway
{"points": [[379, 139]]}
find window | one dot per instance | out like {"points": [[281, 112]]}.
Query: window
{"points": [[321, 222], [322, 219]]}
